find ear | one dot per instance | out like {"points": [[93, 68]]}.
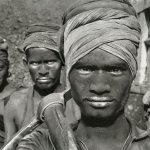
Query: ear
{"points": [[25, 62]]}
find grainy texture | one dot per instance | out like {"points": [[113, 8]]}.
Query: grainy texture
{"points": [[15, 16]]}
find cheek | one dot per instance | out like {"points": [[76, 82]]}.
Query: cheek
{"points": [[79, 85], [33, 72], [55, 69], [120, 88]]}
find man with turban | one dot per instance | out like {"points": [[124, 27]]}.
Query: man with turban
{"points": [[44, 62], [99, 40], [6, 89]]}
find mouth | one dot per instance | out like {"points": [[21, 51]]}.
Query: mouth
{"points": [[100, 102], [44, 80]]}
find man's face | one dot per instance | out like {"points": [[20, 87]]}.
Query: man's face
{"points": [[100, 84], [44, 67], [3, 72], [147, 111]]}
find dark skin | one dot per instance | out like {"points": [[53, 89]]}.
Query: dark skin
{"points": [[3, 80], [3, 74], [4, 66], [45, 67], [100, 84]]}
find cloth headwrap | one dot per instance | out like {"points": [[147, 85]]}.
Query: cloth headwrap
{"points": [[41, 36], [4, 51], [110, 25]]}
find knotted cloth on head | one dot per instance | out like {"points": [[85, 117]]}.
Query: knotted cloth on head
{"points": [[110, 25], [42, 36], [4, 51]]}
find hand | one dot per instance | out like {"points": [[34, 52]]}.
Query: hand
{"points": [[51, 100], [51, 111]]}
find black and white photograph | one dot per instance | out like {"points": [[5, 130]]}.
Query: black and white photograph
{"points": [[75, 74]]}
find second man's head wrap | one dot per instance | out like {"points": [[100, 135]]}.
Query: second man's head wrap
{"points": [[42, 35]]}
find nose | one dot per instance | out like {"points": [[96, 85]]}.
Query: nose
{"points": [[43, 70], [100, 83]]}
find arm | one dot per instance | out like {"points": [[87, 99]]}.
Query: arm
{"points": [[37, 140], [9, 120], [51, 110]]}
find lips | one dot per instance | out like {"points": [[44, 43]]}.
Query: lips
{"points": [[44, 80], [100, 102]]}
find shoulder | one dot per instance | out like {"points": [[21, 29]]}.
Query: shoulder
{"points": [[17, 99], [7, 92], [36, 140], [146, 98]]}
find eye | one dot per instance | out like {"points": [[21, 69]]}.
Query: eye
{"points": [[85, 70], [116, 70], [34, 63], [51, 62]]}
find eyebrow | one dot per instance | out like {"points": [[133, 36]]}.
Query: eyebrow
{"points": [[86, 63], [117, 65]]}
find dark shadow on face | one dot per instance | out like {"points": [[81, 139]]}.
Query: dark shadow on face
{"points": [[100, 84], [45, 68], [3, 74]]}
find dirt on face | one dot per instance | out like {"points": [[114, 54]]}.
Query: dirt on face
{"points": [[16, 15]]}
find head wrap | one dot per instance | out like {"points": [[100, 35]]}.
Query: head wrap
{"points": [[4, 51], [41, 36], [110, 25]]}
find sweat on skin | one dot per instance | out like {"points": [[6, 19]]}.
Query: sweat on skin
{"points": [[44, 64]]}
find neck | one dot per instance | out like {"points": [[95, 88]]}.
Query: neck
{"points": [[45, 92], [116, 128]]}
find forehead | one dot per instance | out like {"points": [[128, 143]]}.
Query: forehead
{"points": [[41, 53], [100, 57]]}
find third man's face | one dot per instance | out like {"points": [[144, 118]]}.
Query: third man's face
{"points": [[3, 72], [100, 84], [44, 67]]}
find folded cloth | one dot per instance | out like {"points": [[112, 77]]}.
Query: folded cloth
{"points": [[111, 27], [42, 36]]}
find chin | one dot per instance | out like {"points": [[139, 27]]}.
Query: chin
{"points": [[45, 87], [100, 113]]}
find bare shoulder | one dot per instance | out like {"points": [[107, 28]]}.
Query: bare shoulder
{"points": [[17, 99]]}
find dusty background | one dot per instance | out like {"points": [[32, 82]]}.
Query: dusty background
{"points": [[16, 15]]}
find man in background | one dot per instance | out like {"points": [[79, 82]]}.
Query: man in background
{"points": [[99, 39], [6, 89], [44, 63]]}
